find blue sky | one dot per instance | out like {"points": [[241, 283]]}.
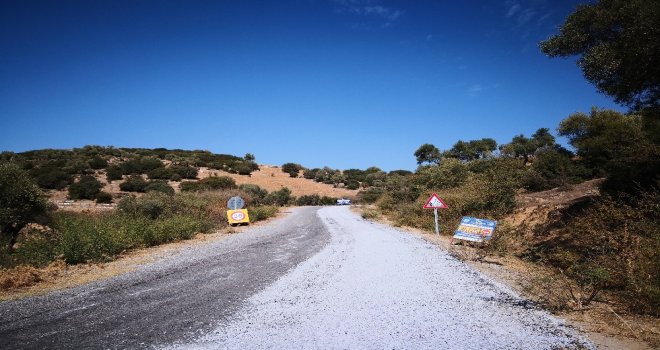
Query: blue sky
{"points": [[343, 83]]}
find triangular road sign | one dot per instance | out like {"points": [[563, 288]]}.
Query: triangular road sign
{"points": [[435, 202]]}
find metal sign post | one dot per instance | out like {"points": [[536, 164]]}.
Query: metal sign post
{"points": [[435, 202]]}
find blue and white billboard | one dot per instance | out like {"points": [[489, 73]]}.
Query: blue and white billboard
{"points": [[475, 230]]}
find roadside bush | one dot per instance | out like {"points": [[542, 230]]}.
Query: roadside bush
{"points": [[260, 213], [53, 179], [256, 193], [134, 183], [85, 188], [370, 195], [314, 199], [280, 197]]}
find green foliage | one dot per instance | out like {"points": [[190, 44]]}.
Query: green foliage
{"points": [[209, 184], [103, 197], [471, 150], [260, 213], [280, 197], [292, 169], [552, 168], [134, 183], [310, 174], [618, 43], [256, 193], [174, 172], [85, 188], [97, 163], [51, 176], [21, 202], [615, 145], [86, 237], [315, 199], [114, 172], [159, 186], [450, 173], [427, 154], [370, 195], [140, 165]]}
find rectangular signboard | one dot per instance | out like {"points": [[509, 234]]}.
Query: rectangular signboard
{"points": [[475, 230]]}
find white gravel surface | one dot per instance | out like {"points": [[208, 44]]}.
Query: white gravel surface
{"points": [[375, 287]]}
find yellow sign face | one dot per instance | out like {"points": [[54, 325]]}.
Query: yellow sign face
{"points": [[239, 216]]}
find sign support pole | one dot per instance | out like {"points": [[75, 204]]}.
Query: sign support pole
{"points": [[437, 227]]}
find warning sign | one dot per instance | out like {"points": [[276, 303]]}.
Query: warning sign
{"points": [[435, 202], [239, 216]]}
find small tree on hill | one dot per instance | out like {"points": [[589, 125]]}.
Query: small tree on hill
{"points": [[21, 202], [292, 169], [86, 188], [427, 153]]}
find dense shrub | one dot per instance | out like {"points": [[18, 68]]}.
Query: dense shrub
{"points": [[208, 184], [370, 195], [448, 174], [114, 173], [140, 165], [85, 188], [292, 169], [280, 197], [256, 193], [21, 202], [262, 213], [159, 186], [315, 199], [553, 169], [134, 183], [103, 197], [97, 163]]}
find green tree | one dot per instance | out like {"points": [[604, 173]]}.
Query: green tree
{"points": [[21, 202], [472, 150], [427, 153], [249, 157], [618, 43], [292, 169], [450, 173], [85, 188], [615, 145]]}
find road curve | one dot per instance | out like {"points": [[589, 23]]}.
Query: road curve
{"points": [[176, 298], [375, 287]]}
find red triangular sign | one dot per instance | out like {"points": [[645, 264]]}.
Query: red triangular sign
{"points": [[435, 202]]}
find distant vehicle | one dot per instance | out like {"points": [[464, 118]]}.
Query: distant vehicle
{"points": [[343, 201]]}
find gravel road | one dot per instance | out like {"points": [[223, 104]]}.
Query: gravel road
{"points": [[374, 287], [176, 298], [316, 279]]}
